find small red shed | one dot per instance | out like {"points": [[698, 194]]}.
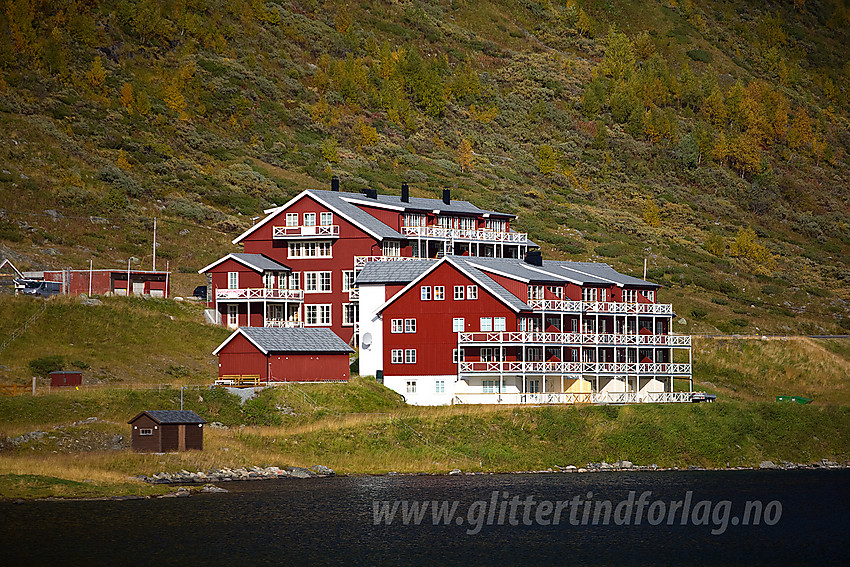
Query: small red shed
{"points": [[297, 354], [160, 431], [64, 378]]}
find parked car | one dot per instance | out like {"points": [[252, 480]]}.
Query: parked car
{"points": [[40, 288], [200, 292]]}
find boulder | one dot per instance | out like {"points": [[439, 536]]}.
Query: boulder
{"points": [[768, 465], [322, 470]]}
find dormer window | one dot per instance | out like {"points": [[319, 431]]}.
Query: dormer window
{"points": [[392, 248], [497, 225], [590, 294], [309, 219]]}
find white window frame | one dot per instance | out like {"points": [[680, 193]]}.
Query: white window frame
{"points": [[650, 295], [536, 291], [499, 324], [291, 219], [411, 386], [294, 281], [589, 294], [350, 314], [391, 248], [458, 355], [439, 293], [490, 386], [439, 386], [486, 324], [471, 292], [326, 218], [397, 326], [410, 356], [410, 325], [458, 324], [232, 315], [459, 293], [317, 315], [318, 282], [146, 431], [347, 280], [232, 280], [309, 219], [397, 356], [425, 293]]}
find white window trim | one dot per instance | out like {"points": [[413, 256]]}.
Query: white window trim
{"points": [[410, 387], [326, 215], [347, 280], [410, 325], [425, 293], [486, 324], [442, 293], [291, 219], [459, 293], [320, 309], [439, 386], [462, 324], [471, 292], [146, 431], [312, 217], [318, 281], [397, 356], [499, 322], [407, 356], [232, 280], [345, 320], [396, 326]]}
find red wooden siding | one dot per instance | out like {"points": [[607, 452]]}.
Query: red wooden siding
{"points": [[434, 339]]}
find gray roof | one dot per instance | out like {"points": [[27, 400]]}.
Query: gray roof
{"points": [[418, 203], [297, 339], [171, 416], [402, 272], [601, 270], [335, 200], [261, 261], [488, 283]]}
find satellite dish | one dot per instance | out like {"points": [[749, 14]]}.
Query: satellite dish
{"points": [[367, 340]]}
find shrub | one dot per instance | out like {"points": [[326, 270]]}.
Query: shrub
{"points": [[44, 365], [700, 55], [739, 322], [611, 250], [81, 364], [698, 313], [719, 301]]}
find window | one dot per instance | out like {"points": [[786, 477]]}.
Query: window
{"points": [[410, 325], [232, 316], [295, 280], [347, 280], [309, 219], [318, 315], [556, 290], [499, 324], [603, 294], [397, 356], [629, 296], [457, 325], [491, 386], [497, 224], [397, 326], [458, 293], [233, 280], [411, 386], [415, 219], [350, 313], [486, 324], [145, 431], [440, 386], [320, 249], [326, 219], [650, 295], [490, 354], [535, 292], [439, 293], [291, 219], [458, 355], [425, 293], [410, 356], [317, 282], [392, 248], [589, 294], [472, 292]]}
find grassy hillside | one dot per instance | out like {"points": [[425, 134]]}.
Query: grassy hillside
{"points": [[616, 131]]}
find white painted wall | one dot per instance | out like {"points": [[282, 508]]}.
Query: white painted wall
{"points": [[426, 389], [371, 358]]}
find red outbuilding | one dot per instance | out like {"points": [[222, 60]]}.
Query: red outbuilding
{"points": [[64, 378], [297, 354]]}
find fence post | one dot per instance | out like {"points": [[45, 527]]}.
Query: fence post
{"points": [[33, 385]]}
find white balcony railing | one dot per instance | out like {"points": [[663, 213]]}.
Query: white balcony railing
{"points": [[328, 230], [516, 398], [464, 234], [360, 261], [281, 323], [354, 294], [518, 337], [556, 305], [259, 293], [628, 308], [527, 367]]}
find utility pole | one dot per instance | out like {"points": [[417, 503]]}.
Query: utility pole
{"points": [[154, 244]]}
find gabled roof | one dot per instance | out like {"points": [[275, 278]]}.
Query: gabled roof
{"points": [[601, 270], [393, 272], [296, 339], [476, 275], [171, 416], [348, 205], [257, 262]]}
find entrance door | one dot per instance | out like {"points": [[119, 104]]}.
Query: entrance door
{"points": [[138, 288], [181, 437]]}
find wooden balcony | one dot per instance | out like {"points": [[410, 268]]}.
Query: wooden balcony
{"points": [[600, 307], [318, 231], [259, 293], [576, 339], [538, 398], [475, 235], [528, 367]]}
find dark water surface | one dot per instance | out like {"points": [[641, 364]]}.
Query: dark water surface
{"points": [[331, 521]]}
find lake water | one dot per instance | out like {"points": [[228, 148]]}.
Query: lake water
{"points": [[804, 518]]}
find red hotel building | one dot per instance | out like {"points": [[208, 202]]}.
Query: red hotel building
{"points": [[298, 264], [499, 330]]}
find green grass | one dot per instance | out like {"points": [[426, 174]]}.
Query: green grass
{"points": [[13, 486]]}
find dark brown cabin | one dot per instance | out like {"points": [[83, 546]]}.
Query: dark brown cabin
{"points": [[161, 431], [65, 378]]}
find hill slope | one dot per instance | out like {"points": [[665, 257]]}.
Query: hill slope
{"points": [[709, 137]]}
